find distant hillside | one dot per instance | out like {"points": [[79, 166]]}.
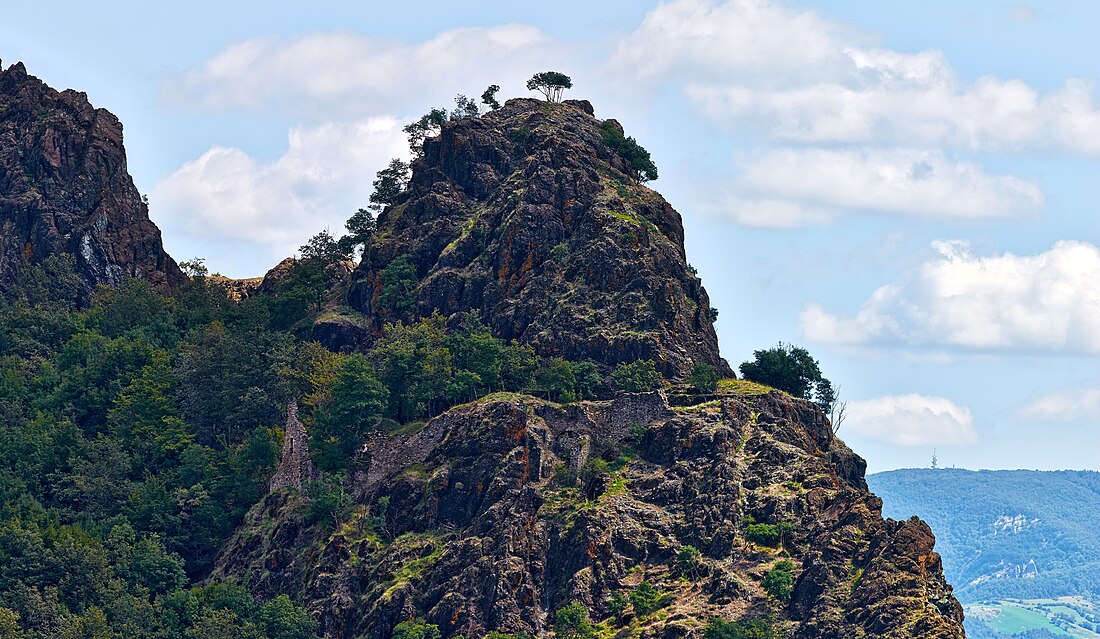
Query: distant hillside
{"points": [[1021, 534]]}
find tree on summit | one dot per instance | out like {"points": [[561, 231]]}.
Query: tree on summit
{"points": [[793, 370], [550, 84], [489, 97]]}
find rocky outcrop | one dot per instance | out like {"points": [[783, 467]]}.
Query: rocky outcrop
{"points": [[526, 217], [498, 513], [64, 188]]}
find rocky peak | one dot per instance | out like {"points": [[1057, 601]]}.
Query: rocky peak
{"points": [[64, 188], [526, 216]]}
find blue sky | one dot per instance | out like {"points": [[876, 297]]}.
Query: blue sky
{"points": [[909, 193]]}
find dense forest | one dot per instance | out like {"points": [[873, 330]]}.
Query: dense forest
{"points": [[136, 433]]}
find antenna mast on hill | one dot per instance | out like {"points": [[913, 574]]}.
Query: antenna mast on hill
{"points": [[935, 460]]}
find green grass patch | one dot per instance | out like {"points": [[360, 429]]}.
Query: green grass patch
{"points": [[742, 387]]}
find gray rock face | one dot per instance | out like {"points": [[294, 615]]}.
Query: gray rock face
{"points": [[64, 188], [526, 217]]}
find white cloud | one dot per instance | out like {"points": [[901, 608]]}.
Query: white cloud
{"points": [[322, 178], [911, 420], [1064, 406], [343, 74], [789, 187], [1045, 303], [740, 68], [744, 39]]}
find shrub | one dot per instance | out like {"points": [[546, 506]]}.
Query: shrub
{"points": [[763, 534], [703, 378], [416, 629], [779, 581], [617, 604], [647, 598], [328, 500], [636, 377], [571, 622], [688, 561]]}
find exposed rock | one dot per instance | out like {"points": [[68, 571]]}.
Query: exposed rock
{"points": [[341, 332], [236, 289], [525, 216], [278, 273], [295, 465], [482, 530], [64, 188]]}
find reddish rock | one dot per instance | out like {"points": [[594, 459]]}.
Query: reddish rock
{"points": [[64, 188]]}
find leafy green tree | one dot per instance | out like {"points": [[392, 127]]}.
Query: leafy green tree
{"points": [[763, 534], [416, 629], [637, 376], [616, 604], [397, 298], [474, 349], [550, 84], [329, 502], [427, 126], [635, 155], [389, 183], [145, 418], [647, 598], [414, 365], [489, 97], [588, 379], [688, 562], [555, 378], [572, 622], [790, 369], [779, 581], [464, 108], [281, 618], [703, 378], [361, 227], [357, 402], [322, 248], [9, 624], [518, 365]]}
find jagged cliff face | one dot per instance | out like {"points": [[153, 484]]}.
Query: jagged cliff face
{"points": [[483, 530], [64, 188], [525, 216]]}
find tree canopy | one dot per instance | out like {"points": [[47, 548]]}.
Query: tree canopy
{"points": [[550, 84], [791, 369]]}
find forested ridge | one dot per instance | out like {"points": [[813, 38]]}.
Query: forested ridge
{"points": [[136, 433]]}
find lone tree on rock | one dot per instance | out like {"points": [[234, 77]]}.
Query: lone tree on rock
{"points": [[550, 84]]}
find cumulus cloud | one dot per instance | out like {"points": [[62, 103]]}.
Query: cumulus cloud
{"points": [[1045, 303], [742, 39], [739, 68], [790, 187], [322, 178], [911, 420], [1067, 405], [337, 74]]}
